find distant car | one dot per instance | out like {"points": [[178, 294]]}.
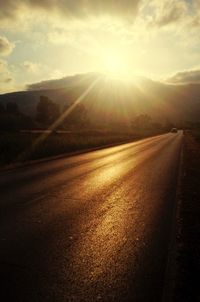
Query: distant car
{"points": [[174, 130]]}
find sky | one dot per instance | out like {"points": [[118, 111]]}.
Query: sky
{"points": [[51, 39]]}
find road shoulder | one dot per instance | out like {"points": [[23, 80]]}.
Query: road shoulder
{"points": [[187, 248]]}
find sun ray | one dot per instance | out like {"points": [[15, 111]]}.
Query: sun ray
{"points": [[56, 124]]}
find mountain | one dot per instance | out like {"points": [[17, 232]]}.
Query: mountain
{"points": [[110, 98]]}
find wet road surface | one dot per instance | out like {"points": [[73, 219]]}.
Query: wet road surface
{"points": [[92, 227]]}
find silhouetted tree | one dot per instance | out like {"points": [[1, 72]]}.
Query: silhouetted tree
{"points": [[157, 126], [47, 111], [168, 125], [12, 108], [2, 108], [77, 118], [142, 121], [15, 120]]}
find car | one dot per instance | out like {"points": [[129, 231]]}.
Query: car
{"points": [[174, 130]]}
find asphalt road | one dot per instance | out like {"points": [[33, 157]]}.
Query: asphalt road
{"points": [[91, 227]]}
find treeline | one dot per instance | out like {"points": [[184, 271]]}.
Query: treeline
{"points": [[11, 119], [48, 113]]}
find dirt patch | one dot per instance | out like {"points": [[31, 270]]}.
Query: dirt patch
{"points": [[187, 286]]}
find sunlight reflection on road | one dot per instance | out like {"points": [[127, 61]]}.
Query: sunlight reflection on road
{"points": [[96, 222], [106, 239]]}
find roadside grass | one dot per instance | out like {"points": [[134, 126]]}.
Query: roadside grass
{"points": [[188, 237], [19, 147], [196, 134]]}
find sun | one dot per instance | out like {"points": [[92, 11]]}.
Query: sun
{"points": [[114, 63]]}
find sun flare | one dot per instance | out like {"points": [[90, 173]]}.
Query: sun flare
{"points": [[114, 64]]}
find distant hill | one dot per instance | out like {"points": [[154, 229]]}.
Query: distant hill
{"points": [[114, 99]]}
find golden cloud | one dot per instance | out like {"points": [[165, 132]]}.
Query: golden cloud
{"points": [[185, 77], [11, 9], [6, 47]]}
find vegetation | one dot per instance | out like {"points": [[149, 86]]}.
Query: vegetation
{"points": [[47, 111], [18, 147], [11, 119], [23, 138], [188, 245], [196, 134]]}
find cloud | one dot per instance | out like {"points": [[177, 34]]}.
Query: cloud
{"points": [[31, 66], [59, 37], [68, 81], [152, 14], [49, 84], [6, 47], [185, 77], [82, 8], [6, 79], [166, 12], [136, 16], [12, 9], [195, 21], [3, 67]]}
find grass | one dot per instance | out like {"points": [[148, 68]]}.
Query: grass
{"points": [[196, 134], [188, 237], [18, 147]]}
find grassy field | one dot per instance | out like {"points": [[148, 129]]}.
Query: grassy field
{"points": [[20, 147]]}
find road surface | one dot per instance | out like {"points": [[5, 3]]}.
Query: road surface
{"points": [[91, 227]]}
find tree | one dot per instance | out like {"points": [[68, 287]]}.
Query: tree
{"points": [[142, 121], [77, 118], [168, 125], [2, 109], [47, 111], [12, 108]]}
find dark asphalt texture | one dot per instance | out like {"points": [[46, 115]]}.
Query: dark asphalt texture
{"points": [[91, 227]]}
